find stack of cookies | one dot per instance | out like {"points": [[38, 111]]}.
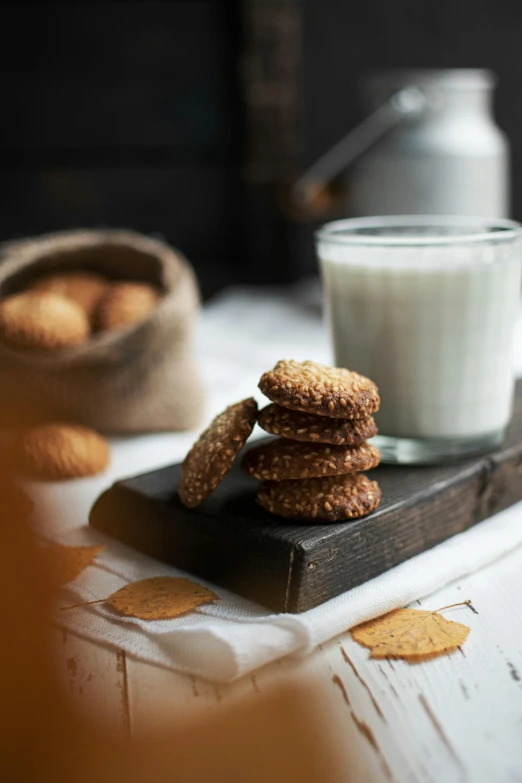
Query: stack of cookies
{"points": [[313, 470]]}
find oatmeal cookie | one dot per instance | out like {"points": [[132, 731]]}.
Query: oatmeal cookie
{"points": [[331, 499], [316, 388], [283, 459], [307, 427], [211, 457]]}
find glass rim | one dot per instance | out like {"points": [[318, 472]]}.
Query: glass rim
{"points": [[345, 232]]}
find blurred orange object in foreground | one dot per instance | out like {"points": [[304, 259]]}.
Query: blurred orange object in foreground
{"points": [[43, 738]]}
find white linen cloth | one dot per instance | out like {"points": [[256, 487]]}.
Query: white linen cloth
{"points": [[242, 333]]}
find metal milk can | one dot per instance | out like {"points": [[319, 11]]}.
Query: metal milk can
{"points": [[429, 146]]}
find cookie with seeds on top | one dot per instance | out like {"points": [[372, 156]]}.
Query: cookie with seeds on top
{"points": [[211, 457], [315, 388], [310, 428], [330, 499], [283, 459]]}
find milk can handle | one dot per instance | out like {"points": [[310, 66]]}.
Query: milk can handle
{"points": [[406, 102]]}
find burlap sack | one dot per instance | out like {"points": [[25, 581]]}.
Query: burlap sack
{"points": [[140, 378]]}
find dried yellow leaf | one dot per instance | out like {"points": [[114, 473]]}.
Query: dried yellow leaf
{"points": [[65, 563], [160, 598], [412, 634]]}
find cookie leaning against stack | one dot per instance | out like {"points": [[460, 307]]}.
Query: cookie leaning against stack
{"points": [[313, 472]]}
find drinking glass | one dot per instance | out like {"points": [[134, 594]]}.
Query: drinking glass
{"points": [[426, 307]]}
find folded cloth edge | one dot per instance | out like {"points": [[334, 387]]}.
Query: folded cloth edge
{"points": [[246, 644]]}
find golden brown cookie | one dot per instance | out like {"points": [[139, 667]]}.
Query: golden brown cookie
{"points": [[211, 457], [125, 304], [316, 388], [307, 427], [331, 499], [61, 451], [84, 288], [39, 320], [283, 459]]}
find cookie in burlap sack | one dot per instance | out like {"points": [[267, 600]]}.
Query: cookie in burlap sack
{"points": [[141, 378]]}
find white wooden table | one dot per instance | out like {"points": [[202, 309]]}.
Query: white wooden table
{"points": [[456, 718]]}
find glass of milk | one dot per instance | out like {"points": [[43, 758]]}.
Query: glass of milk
{"points": [[426, 308]]}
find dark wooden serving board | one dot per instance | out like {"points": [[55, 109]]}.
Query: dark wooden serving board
{"points": [[232, 542]]}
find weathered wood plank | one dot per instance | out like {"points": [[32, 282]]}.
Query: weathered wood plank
{"points": [[96, 677]]}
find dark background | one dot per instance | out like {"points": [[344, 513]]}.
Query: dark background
{"points": [[189, 119]]}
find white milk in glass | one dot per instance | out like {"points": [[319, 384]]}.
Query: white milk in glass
{"points": [[431, 322]]}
